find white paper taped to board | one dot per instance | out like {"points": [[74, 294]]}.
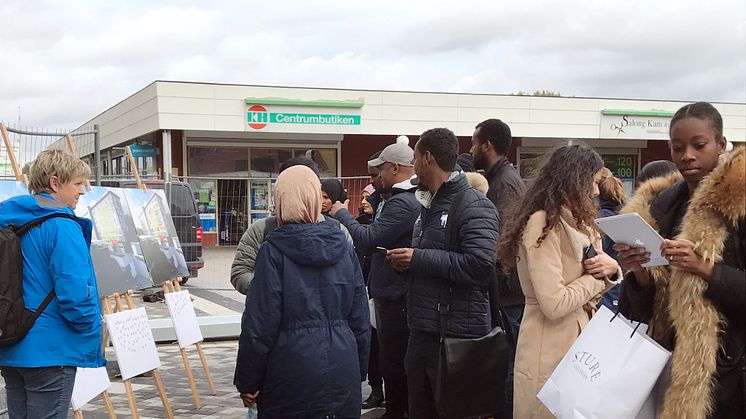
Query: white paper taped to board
{"points": [[133, 342], [184, 318], [89, 383]]}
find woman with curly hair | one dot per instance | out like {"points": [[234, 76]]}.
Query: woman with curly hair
{"points": [[546, 237]]}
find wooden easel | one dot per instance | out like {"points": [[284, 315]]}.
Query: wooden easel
{"points": [[74, 151], [11, 155], [136, 172], [118, 308], [174, 286], [107, 403]]}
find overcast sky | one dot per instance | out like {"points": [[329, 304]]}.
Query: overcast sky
{"points": [[65, 62]]}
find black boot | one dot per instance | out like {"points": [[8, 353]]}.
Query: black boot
{"points": [[375, 399]]}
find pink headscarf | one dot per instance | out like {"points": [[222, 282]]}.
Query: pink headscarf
{"points": [[298, 196]]}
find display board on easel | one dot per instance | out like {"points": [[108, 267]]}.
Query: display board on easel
{"points": [[187, 333], [157, 235], [134, 347]]}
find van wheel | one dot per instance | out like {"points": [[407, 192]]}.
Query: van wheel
{"points": [[183, 281]]}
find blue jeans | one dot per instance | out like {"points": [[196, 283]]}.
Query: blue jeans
{"points": [[39, 393], [511, 316], [252, 413]]}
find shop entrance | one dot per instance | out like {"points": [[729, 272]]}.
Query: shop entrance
{"points": [[232, 206]]}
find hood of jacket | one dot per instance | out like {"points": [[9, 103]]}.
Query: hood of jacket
{"points": [[318, 244], [405, 186], [716, 206]]}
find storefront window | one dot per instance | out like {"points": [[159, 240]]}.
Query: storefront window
{"points": [[265, 162], [218, 161], [624, 167], [325, 158], [206, 198]]}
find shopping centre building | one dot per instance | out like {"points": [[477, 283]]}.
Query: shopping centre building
{"points": [[226, 140]]}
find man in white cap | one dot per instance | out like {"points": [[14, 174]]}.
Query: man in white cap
{"points": [[391, 229]]}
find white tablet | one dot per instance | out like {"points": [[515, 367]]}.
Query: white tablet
{"points": [[632, 230]]}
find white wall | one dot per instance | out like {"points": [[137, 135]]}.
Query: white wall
{"points": [[215, 107]]}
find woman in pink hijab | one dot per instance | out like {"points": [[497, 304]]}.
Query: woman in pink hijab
{"points": [[305, 331]]}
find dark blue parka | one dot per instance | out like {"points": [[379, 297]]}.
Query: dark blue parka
{"points": [[305, 331], [391, 229], [467, 271]]}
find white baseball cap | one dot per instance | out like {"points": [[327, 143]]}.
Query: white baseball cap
{"points": [[397, 153]]}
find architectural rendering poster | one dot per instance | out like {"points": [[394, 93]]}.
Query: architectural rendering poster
{"points": [[11, 188], [157, 233], [116, 252]]}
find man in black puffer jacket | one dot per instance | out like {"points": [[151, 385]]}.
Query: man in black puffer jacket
{"points": [[434, 270]]}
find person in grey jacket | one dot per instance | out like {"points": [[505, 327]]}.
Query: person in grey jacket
{"points": [[242, 270]]}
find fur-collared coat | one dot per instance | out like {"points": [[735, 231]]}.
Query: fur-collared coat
{"points": [[704, 323]]}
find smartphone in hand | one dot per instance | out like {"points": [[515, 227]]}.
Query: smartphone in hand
{"points": [[589, 252], [382, 250]]}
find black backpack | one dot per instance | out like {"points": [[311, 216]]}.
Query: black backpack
{"points": [[15, 319]]}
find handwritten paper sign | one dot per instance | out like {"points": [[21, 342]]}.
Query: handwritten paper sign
{"points": [[89, 383], [184, 318], [133, 342]]}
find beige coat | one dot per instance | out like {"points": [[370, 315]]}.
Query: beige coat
{"points": [[556, 292]]}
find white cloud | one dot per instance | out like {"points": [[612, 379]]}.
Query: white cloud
{"points": [[65, 62]]}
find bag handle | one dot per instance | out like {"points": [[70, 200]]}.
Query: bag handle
{"points": [[444, 304], [631, 321]]}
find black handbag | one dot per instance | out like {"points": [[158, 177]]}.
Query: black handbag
{"points": [[471, 374]]}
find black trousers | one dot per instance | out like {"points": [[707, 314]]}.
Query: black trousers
{"points": [[393, 335], [374, 372], [421, 362]]}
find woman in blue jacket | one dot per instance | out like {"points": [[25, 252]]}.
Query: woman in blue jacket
{"points": [[39, 371], [305, 331]]}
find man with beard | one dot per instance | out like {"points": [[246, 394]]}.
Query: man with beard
{"points": [[391, 228], [490, 144]]}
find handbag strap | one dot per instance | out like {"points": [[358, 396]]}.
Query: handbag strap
{"points": [[444, 303]]}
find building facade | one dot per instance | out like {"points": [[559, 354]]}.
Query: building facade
{"points": [[228, 140]]}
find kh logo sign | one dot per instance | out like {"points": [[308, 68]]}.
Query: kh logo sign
{"points": [[258, 116]]}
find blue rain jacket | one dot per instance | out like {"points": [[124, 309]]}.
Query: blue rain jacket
{"points": [[55, 255]]}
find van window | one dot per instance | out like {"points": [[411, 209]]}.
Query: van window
{"points": [[182, 202]]}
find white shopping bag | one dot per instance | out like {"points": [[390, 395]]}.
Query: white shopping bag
{"points": [[609, 371]]}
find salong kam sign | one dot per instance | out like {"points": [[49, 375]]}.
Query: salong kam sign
{"points": [[633, 124], [285, 115]]}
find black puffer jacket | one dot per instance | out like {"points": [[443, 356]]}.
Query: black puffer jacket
{"points": [[506, 187], [467, 271], [392, 229]]}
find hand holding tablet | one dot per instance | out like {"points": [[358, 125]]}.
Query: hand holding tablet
{"points": [[632, 230]]}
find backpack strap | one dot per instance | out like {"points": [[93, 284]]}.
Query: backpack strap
{"points": [[20, 231], [444, 303]]}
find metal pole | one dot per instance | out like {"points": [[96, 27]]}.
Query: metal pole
{"points": [[97, 153], [167, 163]]}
